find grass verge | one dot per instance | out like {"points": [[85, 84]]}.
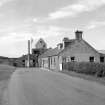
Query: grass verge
{"points": [[84, 76], [5, 74]]}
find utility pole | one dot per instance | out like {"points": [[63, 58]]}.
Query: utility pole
{"points": [[28, 61]]}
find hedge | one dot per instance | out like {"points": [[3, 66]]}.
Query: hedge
{"points": [[89, 68]]}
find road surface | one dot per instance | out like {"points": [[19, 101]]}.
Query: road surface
{"points": [[42, 87]]}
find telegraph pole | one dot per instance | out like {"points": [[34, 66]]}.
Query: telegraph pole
{"points": [[28, 61]]}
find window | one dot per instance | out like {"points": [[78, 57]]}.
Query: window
{"points": [[34, 52], [64, 59], [68, 59], [101, 59], [72, 59], [43, 63], [23, 60], [51, 60], [54, 60], [91, 59], [44, 46]]}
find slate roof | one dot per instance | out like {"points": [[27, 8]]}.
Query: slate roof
{"points": [[71, 42], [55, 51], [101, 51], [51, 52]]}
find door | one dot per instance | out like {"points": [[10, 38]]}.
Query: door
{"points": [[48, 62]]}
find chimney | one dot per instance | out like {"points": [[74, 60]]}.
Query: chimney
{"points": [[60, 45], [78, 35], [65, 42]]}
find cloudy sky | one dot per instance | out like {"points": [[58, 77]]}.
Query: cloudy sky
{"points": [[50, 19]]}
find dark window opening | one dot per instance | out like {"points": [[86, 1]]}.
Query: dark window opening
{"points": [[51, 60], [43, 63], [72, 59], [54, 59], [91, 59], [15, 64], [33, 62], [101, 59], [64, 60], [34, 52], [44, 46]]}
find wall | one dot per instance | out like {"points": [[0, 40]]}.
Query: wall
{"points": [[44, 62], [50, 63], [54, 62], [81, 51]]}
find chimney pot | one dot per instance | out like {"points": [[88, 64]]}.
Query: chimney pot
{"points": [[78, 35]]}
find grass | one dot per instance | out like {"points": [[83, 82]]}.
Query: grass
{"points": [[5, 74], [84, 76]]}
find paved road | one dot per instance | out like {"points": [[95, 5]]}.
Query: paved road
{"points": [[42, 87]]}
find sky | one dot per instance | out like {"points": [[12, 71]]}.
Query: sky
{"points": [[52, 20]]}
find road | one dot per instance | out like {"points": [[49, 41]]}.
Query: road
{"points": [[42, 87]]}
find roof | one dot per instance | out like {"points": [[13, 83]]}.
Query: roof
{"points": [[51, 52], [101, 51], [68, 40], [73, 42], [55, 51]]}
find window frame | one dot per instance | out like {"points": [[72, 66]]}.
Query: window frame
{"points": [[91, 58], [72, 58], [102, 60]]}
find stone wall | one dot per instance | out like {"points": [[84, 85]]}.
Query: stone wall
{"points": [[81, 51]]}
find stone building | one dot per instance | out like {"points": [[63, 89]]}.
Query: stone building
{"points": [[70, 50], [22, 61], [41, 44], [40, 48]]}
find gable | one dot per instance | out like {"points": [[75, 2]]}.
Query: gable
{"points": [[41, 44], [79, 47]]}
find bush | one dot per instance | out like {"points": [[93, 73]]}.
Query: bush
{"points": [[86, 68]]}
